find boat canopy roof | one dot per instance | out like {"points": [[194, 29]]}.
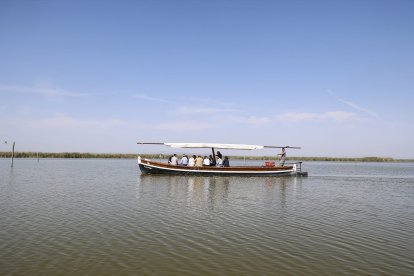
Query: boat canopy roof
{"points": [[214, 145]]}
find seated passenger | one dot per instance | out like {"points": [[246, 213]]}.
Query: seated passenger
{"points": [[174, 160], [199, 161], [219, 154], [206, 161], [184, 160], [226, 162], [191, 161], [219, 161]]}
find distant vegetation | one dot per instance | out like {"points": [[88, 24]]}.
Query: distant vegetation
{"points": [[350, 159], [66, 155], [165, 156]]}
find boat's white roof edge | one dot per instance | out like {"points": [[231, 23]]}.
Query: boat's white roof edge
{"points": [[214, 145]]}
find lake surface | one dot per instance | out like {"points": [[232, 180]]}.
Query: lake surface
{"points": [[102, 217]]}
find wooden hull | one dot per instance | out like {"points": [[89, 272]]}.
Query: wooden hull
{"points": [[152, 167]]}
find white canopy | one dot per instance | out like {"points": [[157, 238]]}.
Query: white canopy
{"points": [[213, 145], [216, 146]]}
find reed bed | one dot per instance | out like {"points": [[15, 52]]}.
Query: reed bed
{"points": [[165, 156]]}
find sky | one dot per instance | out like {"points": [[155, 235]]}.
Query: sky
{"points": [[333, 77]]}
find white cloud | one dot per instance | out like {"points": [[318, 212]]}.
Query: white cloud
{"points": [[39, 90], [338, 116], [199, 110], [244, 120], [148, 98], [258, 121], [355, 106], [211, 102], [69, 122], [184, 126], [298, 116]]}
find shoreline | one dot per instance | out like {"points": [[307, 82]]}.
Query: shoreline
{"points": [[87, 155]]}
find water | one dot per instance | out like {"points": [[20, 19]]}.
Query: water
{"points": [[101, 217]]}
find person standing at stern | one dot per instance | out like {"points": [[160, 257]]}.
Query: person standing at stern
{"points": [[282, 158]]}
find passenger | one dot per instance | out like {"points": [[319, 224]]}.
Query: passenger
{"points": [[169, 159], [184, 160], [212, 161], [191, 161], [199, 161], [206, 161], [226, 162], [219, 161], [219, 155], [174, 160]]}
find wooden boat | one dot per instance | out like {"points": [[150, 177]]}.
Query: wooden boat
{"points": [[268, 169]]}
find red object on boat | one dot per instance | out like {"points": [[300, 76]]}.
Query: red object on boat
{"points": [[269, 163]]}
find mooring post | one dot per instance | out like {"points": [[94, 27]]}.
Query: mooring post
{"points": [[12, 156]]}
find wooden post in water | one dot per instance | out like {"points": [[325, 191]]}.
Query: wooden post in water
{"points": [[12, 156]]}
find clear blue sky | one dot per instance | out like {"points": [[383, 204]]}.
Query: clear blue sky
{"points": [[335, 77]]}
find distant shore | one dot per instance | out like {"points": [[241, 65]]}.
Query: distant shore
{"points": [[165, 156]]}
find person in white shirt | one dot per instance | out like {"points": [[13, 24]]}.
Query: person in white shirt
{"points": [[206, 161], [219, 154], [174, 160], [184, 160], [191, 161], [219, 161]]}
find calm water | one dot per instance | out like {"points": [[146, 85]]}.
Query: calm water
{"points": [[101, 217]]}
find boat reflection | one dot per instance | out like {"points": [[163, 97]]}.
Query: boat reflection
{"points": [[211, 190], [215, 191]]}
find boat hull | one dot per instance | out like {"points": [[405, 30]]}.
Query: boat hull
{"points": [[152, 167]]}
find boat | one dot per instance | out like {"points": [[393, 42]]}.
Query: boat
{"points": [[267, 169]]}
